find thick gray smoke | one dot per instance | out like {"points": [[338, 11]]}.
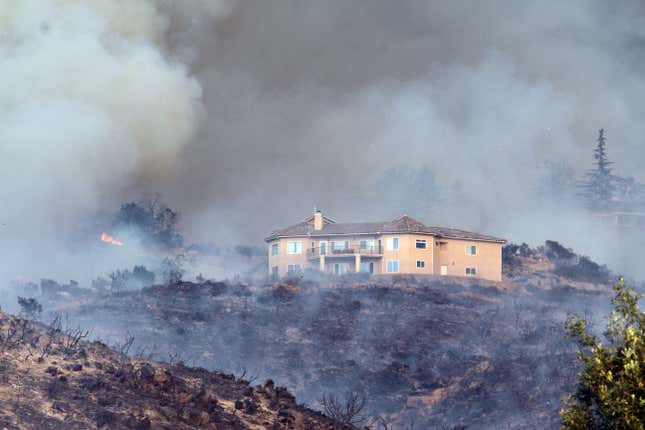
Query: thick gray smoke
{"points": [[310, 102], [307, 103]]}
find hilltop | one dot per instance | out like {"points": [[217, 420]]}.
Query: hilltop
{"points": [[425, 352]]}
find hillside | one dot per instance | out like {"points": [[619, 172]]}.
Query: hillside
{"points": [[424, 352], [50, 378]]}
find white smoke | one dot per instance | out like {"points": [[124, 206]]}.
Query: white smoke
{"points": [[90, 104]]}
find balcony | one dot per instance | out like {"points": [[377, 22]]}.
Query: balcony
{"points": [[349, 250]]}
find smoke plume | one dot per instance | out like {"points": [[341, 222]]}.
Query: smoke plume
{"points": [[307, 104]]}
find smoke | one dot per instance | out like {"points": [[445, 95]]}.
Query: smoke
{"points": [[247, 114], [90, 105], [310, 103]]}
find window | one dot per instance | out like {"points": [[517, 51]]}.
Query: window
{"points": [[471, 271], [367, 244], [471, 249], [392, 243], [421, 244], [275, 249], [421, 264], [339, 245], [392, 266], [294, 247], [323, 248], [274, 272], [293, 269]]}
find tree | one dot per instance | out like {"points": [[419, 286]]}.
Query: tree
{"points": [[29, 308], [152, 220], [599, 187], [143, 276], [611, 387], [172, 270]]}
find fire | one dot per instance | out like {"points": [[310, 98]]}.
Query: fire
{"points": [[109, 239]]}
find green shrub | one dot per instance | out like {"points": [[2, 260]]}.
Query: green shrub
{"points": [[611, 387]]}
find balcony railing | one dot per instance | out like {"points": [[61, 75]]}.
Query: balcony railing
{"points": [[349, 250]]}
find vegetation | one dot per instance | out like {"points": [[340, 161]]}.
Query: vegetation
{"points": [[611, 387], [152, 220], [598, 188], [29, 308], [139, 277]]}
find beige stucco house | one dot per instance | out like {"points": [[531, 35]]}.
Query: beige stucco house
{"points": [[403, 246]]}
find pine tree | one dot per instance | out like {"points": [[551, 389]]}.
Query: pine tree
{"points": [[599, 187]]}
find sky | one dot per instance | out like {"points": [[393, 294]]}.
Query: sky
{"points": [[245, 115]]}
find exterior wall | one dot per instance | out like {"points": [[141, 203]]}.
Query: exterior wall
{"points": [[283, 260], [408, 254], [487, 262]]}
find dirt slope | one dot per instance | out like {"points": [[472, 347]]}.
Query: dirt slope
{"points": [[48, 380]]}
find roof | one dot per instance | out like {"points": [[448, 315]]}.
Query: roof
{"points": [[404, 224]]}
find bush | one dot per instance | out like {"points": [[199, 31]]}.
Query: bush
{"points": [[29, 308], [611, 387], [583, 269], [554, 251]]}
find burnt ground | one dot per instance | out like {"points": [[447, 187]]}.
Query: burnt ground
{"points": [[425, 352], [50, 378]]}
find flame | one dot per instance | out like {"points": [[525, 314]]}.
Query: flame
{"points": [[109, 239]]}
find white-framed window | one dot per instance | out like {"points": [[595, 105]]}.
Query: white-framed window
{"points": [[293, 269], [392, 244], [294, 247], [274, 272], [421, 244], [323, 247], [275, 249], [471, 249], [421, 264], [392, 266], [471, 271]]}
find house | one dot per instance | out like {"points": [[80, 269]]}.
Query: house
{"points": [[403, 245]]}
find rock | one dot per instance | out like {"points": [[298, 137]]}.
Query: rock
{"points": [[59, 406], [76, 367], [204, 420], [239, 404], [146, 372], [52, 370], [162, 377]]}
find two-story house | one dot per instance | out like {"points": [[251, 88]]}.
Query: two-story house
{"points": [[403, 245]]}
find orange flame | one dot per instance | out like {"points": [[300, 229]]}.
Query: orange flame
{"points": [[109, 239]]}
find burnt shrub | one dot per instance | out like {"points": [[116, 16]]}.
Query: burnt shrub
{"points": [[555, 252], [512, 250], [585, 270], [29, 307]]}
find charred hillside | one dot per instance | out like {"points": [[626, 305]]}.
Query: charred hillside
{"points": [[424, 352], [50, 378]]}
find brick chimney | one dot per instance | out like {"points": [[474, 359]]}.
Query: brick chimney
{"points": [[318, 220]]}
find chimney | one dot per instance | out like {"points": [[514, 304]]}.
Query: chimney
{"points": [[318, 220]]}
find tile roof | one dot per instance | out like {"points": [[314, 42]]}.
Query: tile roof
{"points": [[404, 224]]}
